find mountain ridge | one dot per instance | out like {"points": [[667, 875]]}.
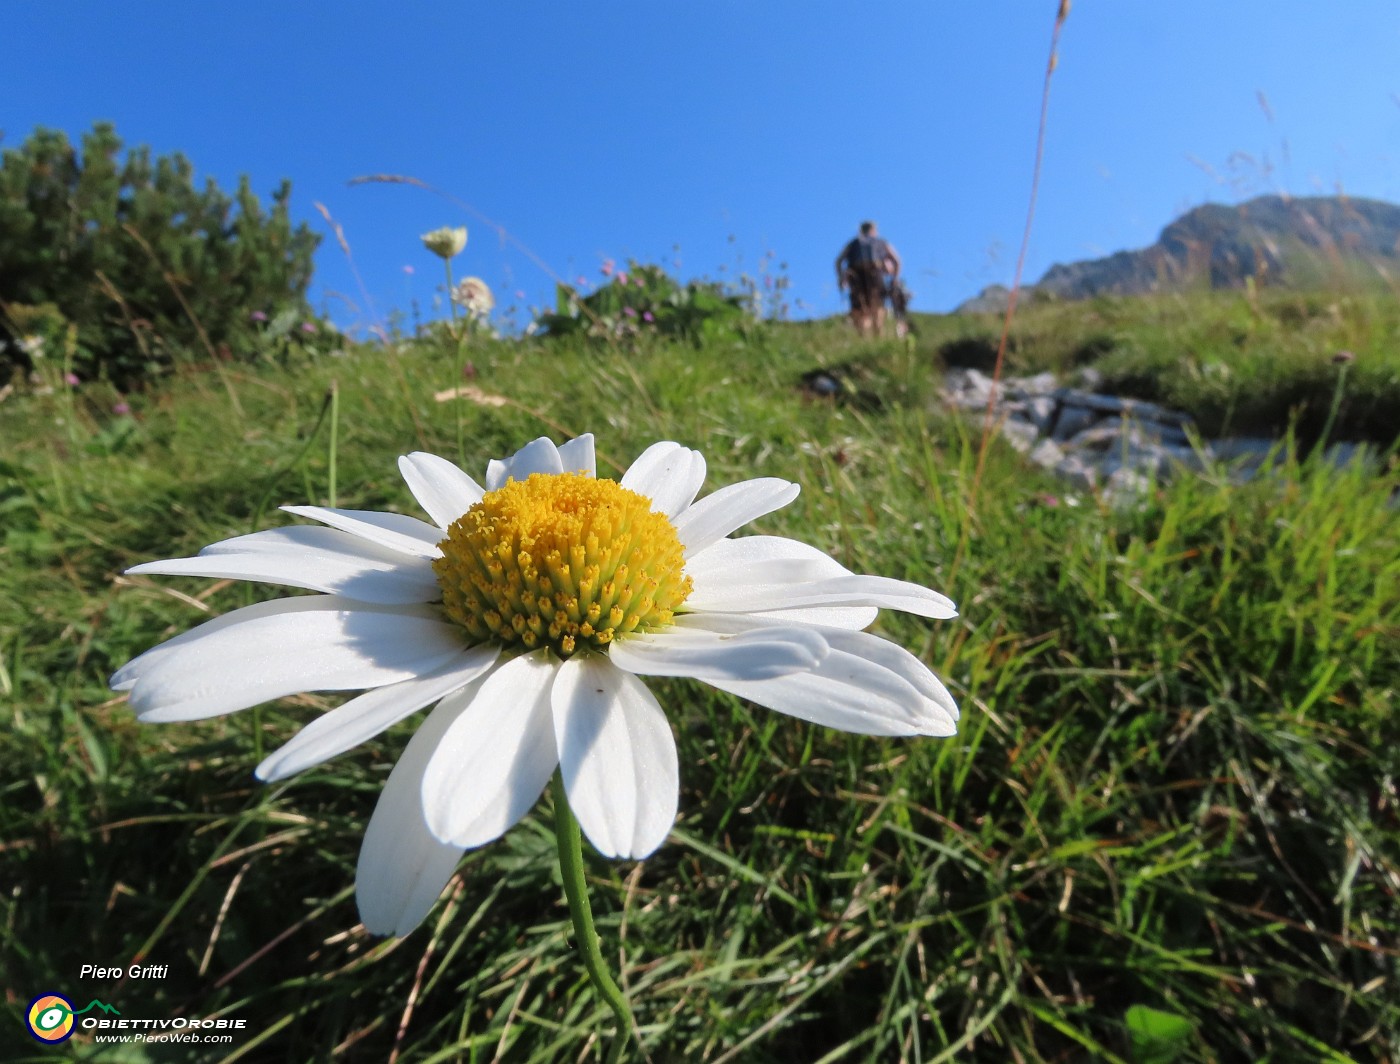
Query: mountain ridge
{"points": [[1273, 239]]}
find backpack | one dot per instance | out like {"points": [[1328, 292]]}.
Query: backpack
{"points": [[866, 251]]}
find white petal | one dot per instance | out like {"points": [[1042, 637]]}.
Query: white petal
{"points": [[667, 474], [720, 558], [721, 512], [125, 677], [737, 564], [866, 685], [758, 654], [322, 559], [577, 455], [443, 490], [617, 757], [851, 590], [364, 717], [537, 456], [882, 652], [849, 693], [733, 562], [314, 643], [850, 617], [398, 532], [402, 867], [493, 763]]}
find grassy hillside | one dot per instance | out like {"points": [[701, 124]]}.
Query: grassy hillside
{"points": [[1174, 787]]}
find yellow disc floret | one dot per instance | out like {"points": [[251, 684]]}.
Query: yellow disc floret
{"points": [[563, 561]]}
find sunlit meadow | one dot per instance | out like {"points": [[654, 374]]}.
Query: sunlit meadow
{"points": [[1166, 830]]}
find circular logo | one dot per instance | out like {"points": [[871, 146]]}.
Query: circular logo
{"points": [[50, 1018]]}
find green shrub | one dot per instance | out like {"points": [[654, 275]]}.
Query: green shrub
{"points": [[143, 263], [645, 298]]}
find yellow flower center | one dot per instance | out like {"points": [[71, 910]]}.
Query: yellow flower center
{"points": [[563, 561]]}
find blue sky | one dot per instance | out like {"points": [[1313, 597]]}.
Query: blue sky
{"points": [[596, 131]]}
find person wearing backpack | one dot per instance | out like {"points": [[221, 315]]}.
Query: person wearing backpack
{"points": [[861, 266], [899, 305]]}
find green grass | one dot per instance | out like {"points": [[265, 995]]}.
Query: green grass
{"points": [[1174, 786]]}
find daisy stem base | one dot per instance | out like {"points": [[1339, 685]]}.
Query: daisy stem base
{"points": [[570, 841]]}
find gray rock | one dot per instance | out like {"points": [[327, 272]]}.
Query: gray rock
{"points": [[1077, 471], [1070, 421], [1104, 436], [1026, 387], [1046, 454], [1104, 404], [1111, 404], [1014, 408], [1020, 434], [1094, 441], [1171, 435], [969, 389], [1041, 411], [1186, 457]]}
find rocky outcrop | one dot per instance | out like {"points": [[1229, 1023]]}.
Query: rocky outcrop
{"points": [[1103, 443]]}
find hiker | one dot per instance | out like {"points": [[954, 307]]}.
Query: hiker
{"points": [[899, 295], [861, 265]]}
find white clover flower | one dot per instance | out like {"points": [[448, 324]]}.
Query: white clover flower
{"points": [[527, 611]]}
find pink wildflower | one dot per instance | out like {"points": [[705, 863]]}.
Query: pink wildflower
{"points": [[71, 379], [308, 326], [648, 316], [629, 312], [121, 408], [258, 315], [607, 268]]}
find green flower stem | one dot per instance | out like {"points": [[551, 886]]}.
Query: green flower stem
{"points": [[451, 306], [459, 337], [334, 446], [570, 840]]}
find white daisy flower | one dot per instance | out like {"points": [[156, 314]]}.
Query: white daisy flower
{"points": [[527, 611]]}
